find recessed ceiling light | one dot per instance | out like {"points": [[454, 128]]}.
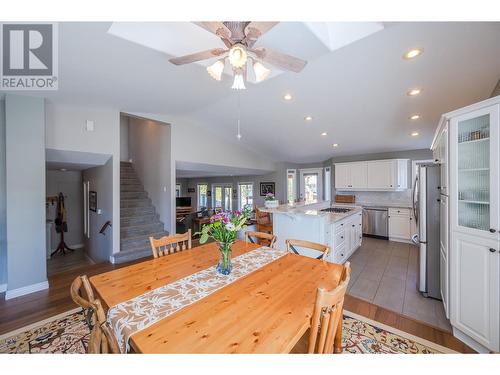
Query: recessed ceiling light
{"points": [[287, 97], [308, 118], [414, 117], [63, 169], [324, 133], [335, 145], [411, 54], [414, 92], [414, 134]]}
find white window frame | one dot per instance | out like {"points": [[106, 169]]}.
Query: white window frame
{"points": [[294, 187], [327, 184], [178, 187], [305, 171], [223, 185], [240, 206], [198, 194]]}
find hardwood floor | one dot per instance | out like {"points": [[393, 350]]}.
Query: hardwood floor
{"points": [[67, 262], [21, 311]]}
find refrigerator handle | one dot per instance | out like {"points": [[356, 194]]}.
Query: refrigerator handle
{"points": [[414, 200]]}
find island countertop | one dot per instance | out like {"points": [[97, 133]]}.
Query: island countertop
{"points": [[313, 209]]}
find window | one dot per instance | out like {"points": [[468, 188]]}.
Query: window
{"points": [[328, 184], [291, 185], [177, 190], [245, 194], [202, 195]]}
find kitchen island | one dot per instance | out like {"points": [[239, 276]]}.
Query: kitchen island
{"points": [[341, 231]]}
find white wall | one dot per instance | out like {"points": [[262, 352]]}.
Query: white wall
{"points": [[65, 130], [150, 150], [99, 246], [25, 194], [70, 184], [124, 138]]}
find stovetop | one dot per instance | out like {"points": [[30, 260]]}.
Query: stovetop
{"points": [[337, 210]]}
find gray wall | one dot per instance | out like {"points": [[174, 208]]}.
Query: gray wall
{"points": [[99, 247], [70, 184], [150, 150], [124, 138], [379, 197], [25, 166], [3, 238]]}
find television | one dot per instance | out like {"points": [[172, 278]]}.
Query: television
{"points": [[183, 202]]}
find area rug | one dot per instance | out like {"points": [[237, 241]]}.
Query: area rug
{"points": [[68, 333]]}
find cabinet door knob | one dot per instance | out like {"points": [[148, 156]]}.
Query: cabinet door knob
{"points": [[492, 250], [341, 236], [492, 230]]}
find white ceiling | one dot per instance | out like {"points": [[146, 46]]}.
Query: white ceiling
{"points": [[355, 93], [192, 170]]}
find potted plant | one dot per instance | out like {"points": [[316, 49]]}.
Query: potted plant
{"points": [[270, 201], [223, 228]]}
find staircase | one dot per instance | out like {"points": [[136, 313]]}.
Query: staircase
{"points": [[138, 217]]}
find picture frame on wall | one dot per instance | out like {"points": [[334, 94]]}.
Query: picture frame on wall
{"points": [[93, 201], [267, 187], [191, 190]]}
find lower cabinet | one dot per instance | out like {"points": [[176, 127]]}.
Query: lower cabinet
{"points": [[347, 237], [475, 293], [400, 225]]}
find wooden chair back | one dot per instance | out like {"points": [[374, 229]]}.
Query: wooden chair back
{"points": [[264, 239], [292, 244], [263, 221], [102, 339], [327, 315], [82, 294], [170, 244]]}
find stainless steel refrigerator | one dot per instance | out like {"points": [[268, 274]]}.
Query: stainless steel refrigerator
{"points": [[426, 208]]}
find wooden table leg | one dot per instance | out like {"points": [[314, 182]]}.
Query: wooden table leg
{"points": [[337, 343]]}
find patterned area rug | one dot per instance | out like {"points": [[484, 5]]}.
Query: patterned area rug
{"points": [[68, 333]]}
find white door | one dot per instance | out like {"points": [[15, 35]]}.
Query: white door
{"points": [[342, 176], [443, 153], [380, 174], [474, 275], [443, 270], [223, 197], [311, 184], [474, 173], [443, 222]]}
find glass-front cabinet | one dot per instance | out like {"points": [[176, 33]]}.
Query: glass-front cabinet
{"points": [[474, 147]]}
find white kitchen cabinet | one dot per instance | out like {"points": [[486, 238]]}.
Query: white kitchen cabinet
{"points": [[375, 175], [474, 282], [471, 229], [443, 223], [444, 280], [400, 228], [347, 238]]}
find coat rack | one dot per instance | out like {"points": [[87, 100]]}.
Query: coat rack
{"points": [[61, 225]]}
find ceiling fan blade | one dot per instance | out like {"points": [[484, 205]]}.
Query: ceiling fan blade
{"points": [[280, 60], [217, 28], [254, 30], [208, 54]]}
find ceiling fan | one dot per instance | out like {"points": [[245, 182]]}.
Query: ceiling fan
{"points": [[239, 38]]}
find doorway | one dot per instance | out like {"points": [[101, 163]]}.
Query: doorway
{"points": [[311, 184], [223, 196]]}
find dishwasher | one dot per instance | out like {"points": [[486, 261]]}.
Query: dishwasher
{"points": [[375, 222]]}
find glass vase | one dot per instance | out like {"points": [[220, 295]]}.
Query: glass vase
{"points": [[224, 266]]}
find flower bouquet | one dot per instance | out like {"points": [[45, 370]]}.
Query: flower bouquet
{"points": [[223, 228], [270, 201]]}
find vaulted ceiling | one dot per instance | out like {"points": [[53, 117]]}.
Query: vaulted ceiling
{"points": [[355, 93]]}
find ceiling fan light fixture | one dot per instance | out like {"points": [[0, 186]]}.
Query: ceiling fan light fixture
{"points": [[261, 72], [237, 56], [239, 82], [215, 70]]}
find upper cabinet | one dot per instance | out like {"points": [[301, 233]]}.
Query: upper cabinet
{"points": [[376, 175]]}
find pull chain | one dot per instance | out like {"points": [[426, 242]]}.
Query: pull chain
{"points": [[238, 135]]}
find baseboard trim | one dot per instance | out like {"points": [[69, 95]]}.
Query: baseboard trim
{"points": [[470, 341], [3, 288], [14, 293]]}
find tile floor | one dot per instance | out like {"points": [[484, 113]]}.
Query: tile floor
{"points": [[385, 274]]}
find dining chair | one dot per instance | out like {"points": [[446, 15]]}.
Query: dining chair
{"points": [[82, 294], [264, 221], [326, 319], [291, 247], [102, 339], [169, 244], [265, 239]]}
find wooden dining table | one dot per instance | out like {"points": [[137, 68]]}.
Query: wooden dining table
{"points": [[266, 311]]}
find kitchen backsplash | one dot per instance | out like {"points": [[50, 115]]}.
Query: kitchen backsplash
{"points": [[382, 197]]}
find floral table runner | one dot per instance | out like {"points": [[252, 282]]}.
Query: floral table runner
{"points": [[137, 314]]}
